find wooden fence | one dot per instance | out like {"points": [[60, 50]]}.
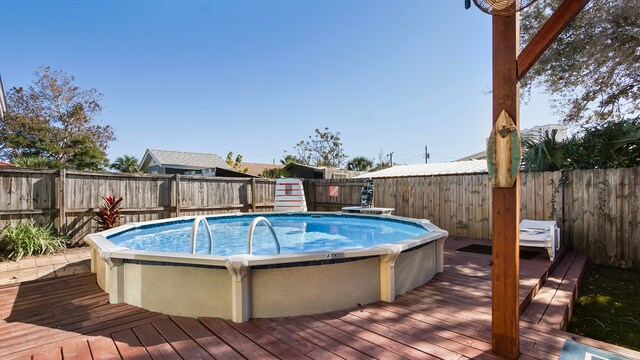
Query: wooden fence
{"points": [[69, 199], [597, 209]]}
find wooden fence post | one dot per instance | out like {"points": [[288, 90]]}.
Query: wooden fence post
{"points": [[253, 194], [62, 206], [176, 183]]}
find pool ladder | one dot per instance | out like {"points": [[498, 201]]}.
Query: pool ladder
{"points": [[194, 232], [252, 227]]}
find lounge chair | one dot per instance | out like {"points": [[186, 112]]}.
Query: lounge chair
{"points": [[289, 195], [537, 233]]}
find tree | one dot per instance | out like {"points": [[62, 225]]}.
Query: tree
{"points": [[56, 120], [614, 144], [288, 159], [360, 163], [593, 68], [36, 162], [321, 149], [275, 173], [547, 154], [384, 161], [237, 163], [126, 164]]}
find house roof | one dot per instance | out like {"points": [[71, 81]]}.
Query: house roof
{"points": [[2, 163], [446, 168], [256, 169], [183, 159]]}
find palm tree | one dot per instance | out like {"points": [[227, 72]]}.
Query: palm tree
{"points": [[275, 173], [126, 164], [545, 155], [360, 163]]}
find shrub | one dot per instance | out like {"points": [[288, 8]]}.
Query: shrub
{"points": [[26, 239], [109, 214]]}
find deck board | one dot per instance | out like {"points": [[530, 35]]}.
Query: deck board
{"points": [[69, 317]]}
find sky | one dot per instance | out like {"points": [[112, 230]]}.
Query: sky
{"points": [[257, 76]]}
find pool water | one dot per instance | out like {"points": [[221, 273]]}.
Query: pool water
{"points": [[296, 233]]}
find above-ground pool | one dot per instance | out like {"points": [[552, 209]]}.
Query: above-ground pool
{"points": [[295, 264]]}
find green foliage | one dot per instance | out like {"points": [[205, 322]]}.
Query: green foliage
{"points": [[54, 119], [288, 159], [360, 163], [545, 155], [27, 239], [126, 164], [324, 148], [593, 68], [275, 173], [109, 213], [237, 163], [613, 144], [36, 162], [607, 306], [608, 145]]}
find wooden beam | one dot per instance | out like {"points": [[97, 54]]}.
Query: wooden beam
{"points": [[548, 33], [505, 208]]}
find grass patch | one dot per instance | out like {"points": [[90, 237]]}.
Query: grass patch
{"points": [[608, 307]]}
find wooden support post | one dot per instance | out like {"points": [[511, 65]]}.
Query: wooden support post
{"points": [[62, 202], [177, 193], [253, 194], [506, 200]]}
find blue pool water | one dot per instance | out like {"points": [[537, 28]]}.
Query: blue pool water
{"points": [[296, 233]]}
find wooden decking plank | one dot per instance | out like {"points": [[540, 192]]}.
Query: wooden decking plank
{"points": [[51, 317], [76, 350], [124, 323], [206, 339], [267, 341], [283, 334], [50, 354], [363, 346], [423, 329], [26, 305], [236, 340], [557, 313], [372, 335], [156, 345], [103, 348], [128, 345], [181, 342], [320, 339], [430, 339], [539, 304]]}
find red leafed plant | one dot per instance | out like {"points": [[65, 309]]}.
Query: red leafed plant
{"points": [[109, 214]]}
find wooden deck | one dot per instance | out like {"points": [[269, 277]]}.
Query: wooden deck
{"points": [[449, 318]]}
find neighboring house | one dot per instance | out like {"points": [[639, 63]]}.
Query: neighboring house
{"points": [[256, 169], [2, 163], [3, 104], [318, 172], [535, 133], [186, 163], [431, 169]]}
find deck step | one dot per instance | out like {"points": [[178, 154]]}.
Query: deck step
{"points": [[553, 304]]}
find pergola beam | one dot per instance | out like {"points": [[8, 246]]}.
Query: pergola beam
{"points": [[547, 34]]}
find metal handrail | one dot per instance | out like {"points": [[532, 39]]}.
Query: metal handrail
{"points": [[252, 227], [194, 232]]}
